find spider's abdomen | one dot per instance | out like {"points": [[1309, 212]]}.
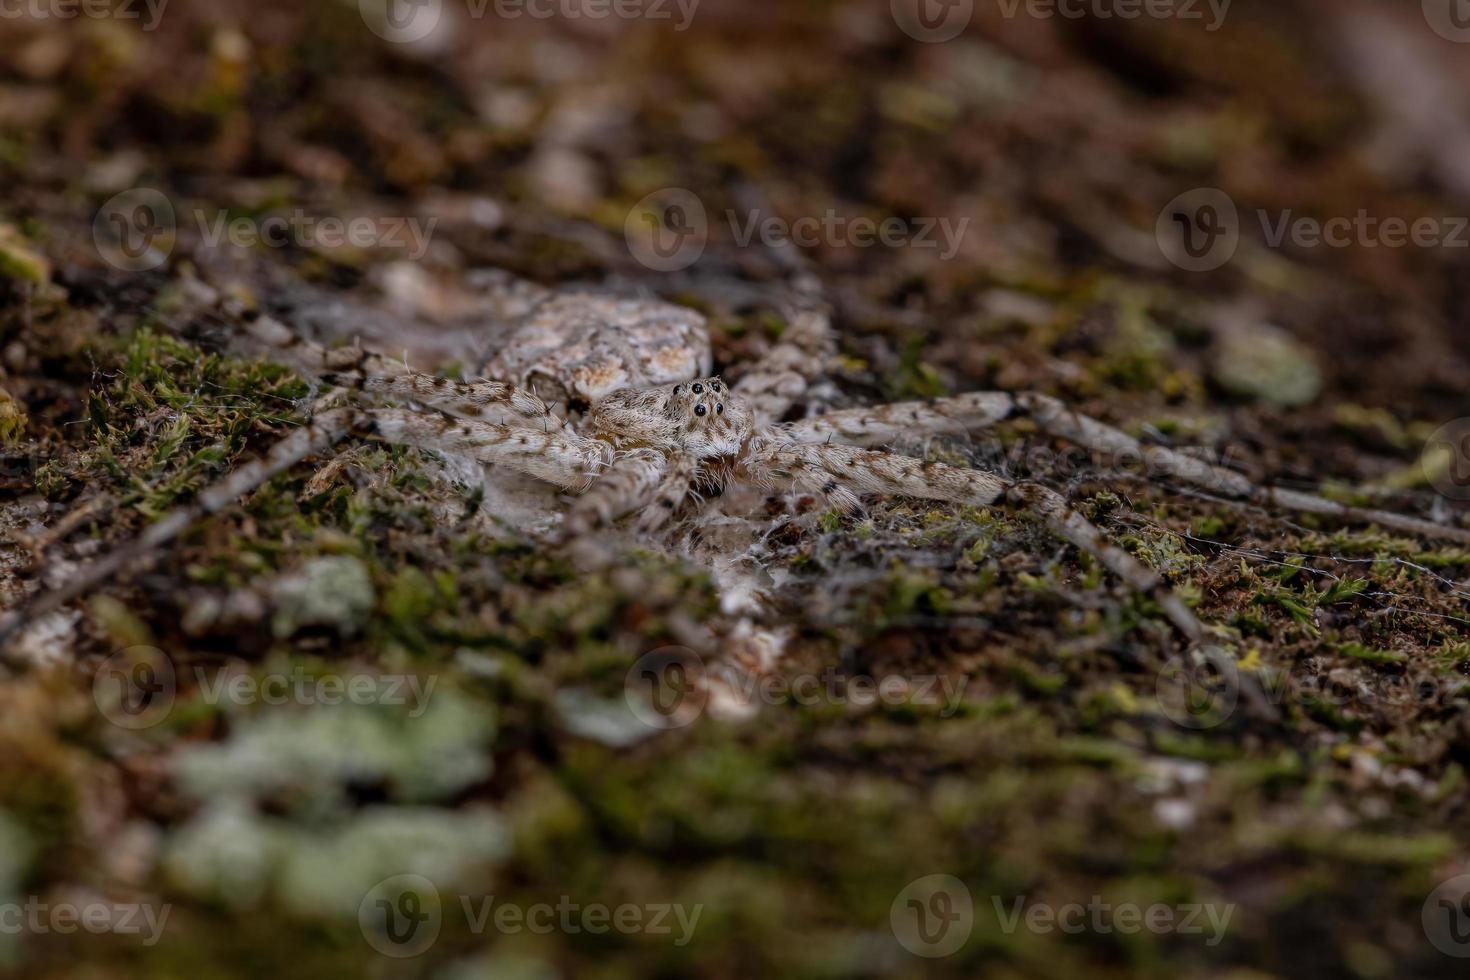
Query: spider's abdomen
{"points": [[583, 346]]}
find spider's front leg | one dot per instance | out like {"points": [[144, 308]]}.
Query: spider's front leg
{"points": [[628, 484], [676, 485], [485, 401], [835, 471], [978, 411], [559, 457]]}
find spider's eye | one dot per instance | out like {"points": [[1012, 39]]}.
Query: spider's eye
{"points": [[700, 409], [678, 388], [699, 389], [720, 408]]}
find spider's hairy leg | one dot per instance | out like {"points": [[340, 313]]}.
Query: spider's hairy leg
{"points": [[832, 469], [838, 471], [318, 435], [489, 401], [627, 485], [676, 485], [977, 411], [775, 382], [1056, 419], [1072, 527], [560, 457], [882, 424]]}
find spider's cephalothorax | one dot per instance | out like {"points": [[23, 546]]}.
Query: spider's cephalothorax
{"points": [[702, 418]]}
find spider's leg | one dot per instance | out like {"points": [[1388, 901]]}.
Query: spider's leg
{"points": [[883, 424], [839, 471], [488, 401], [316, 436], [775, 382], [557, 456], [627, 485], [1056, 419], [977, 411], [672, 490], [831, 469]]}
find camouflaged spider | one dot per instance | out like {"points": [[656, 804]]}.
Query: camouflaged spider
{"points": [[611, 399]]}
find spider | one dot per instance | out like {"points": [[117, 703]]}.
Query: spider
{"points": [[611, 400]]}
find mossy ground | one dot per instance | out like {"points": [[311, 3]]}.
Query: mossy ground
{"points": [[1323, 807]]}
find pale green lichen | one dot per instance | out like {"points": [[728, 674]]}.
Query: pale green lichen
{"points": [[335, 591], [1265, 363], [235, 856], [427, 749]]}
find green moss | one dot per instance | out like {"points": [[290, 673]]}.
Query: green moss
{"points": [[20, 260]]}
